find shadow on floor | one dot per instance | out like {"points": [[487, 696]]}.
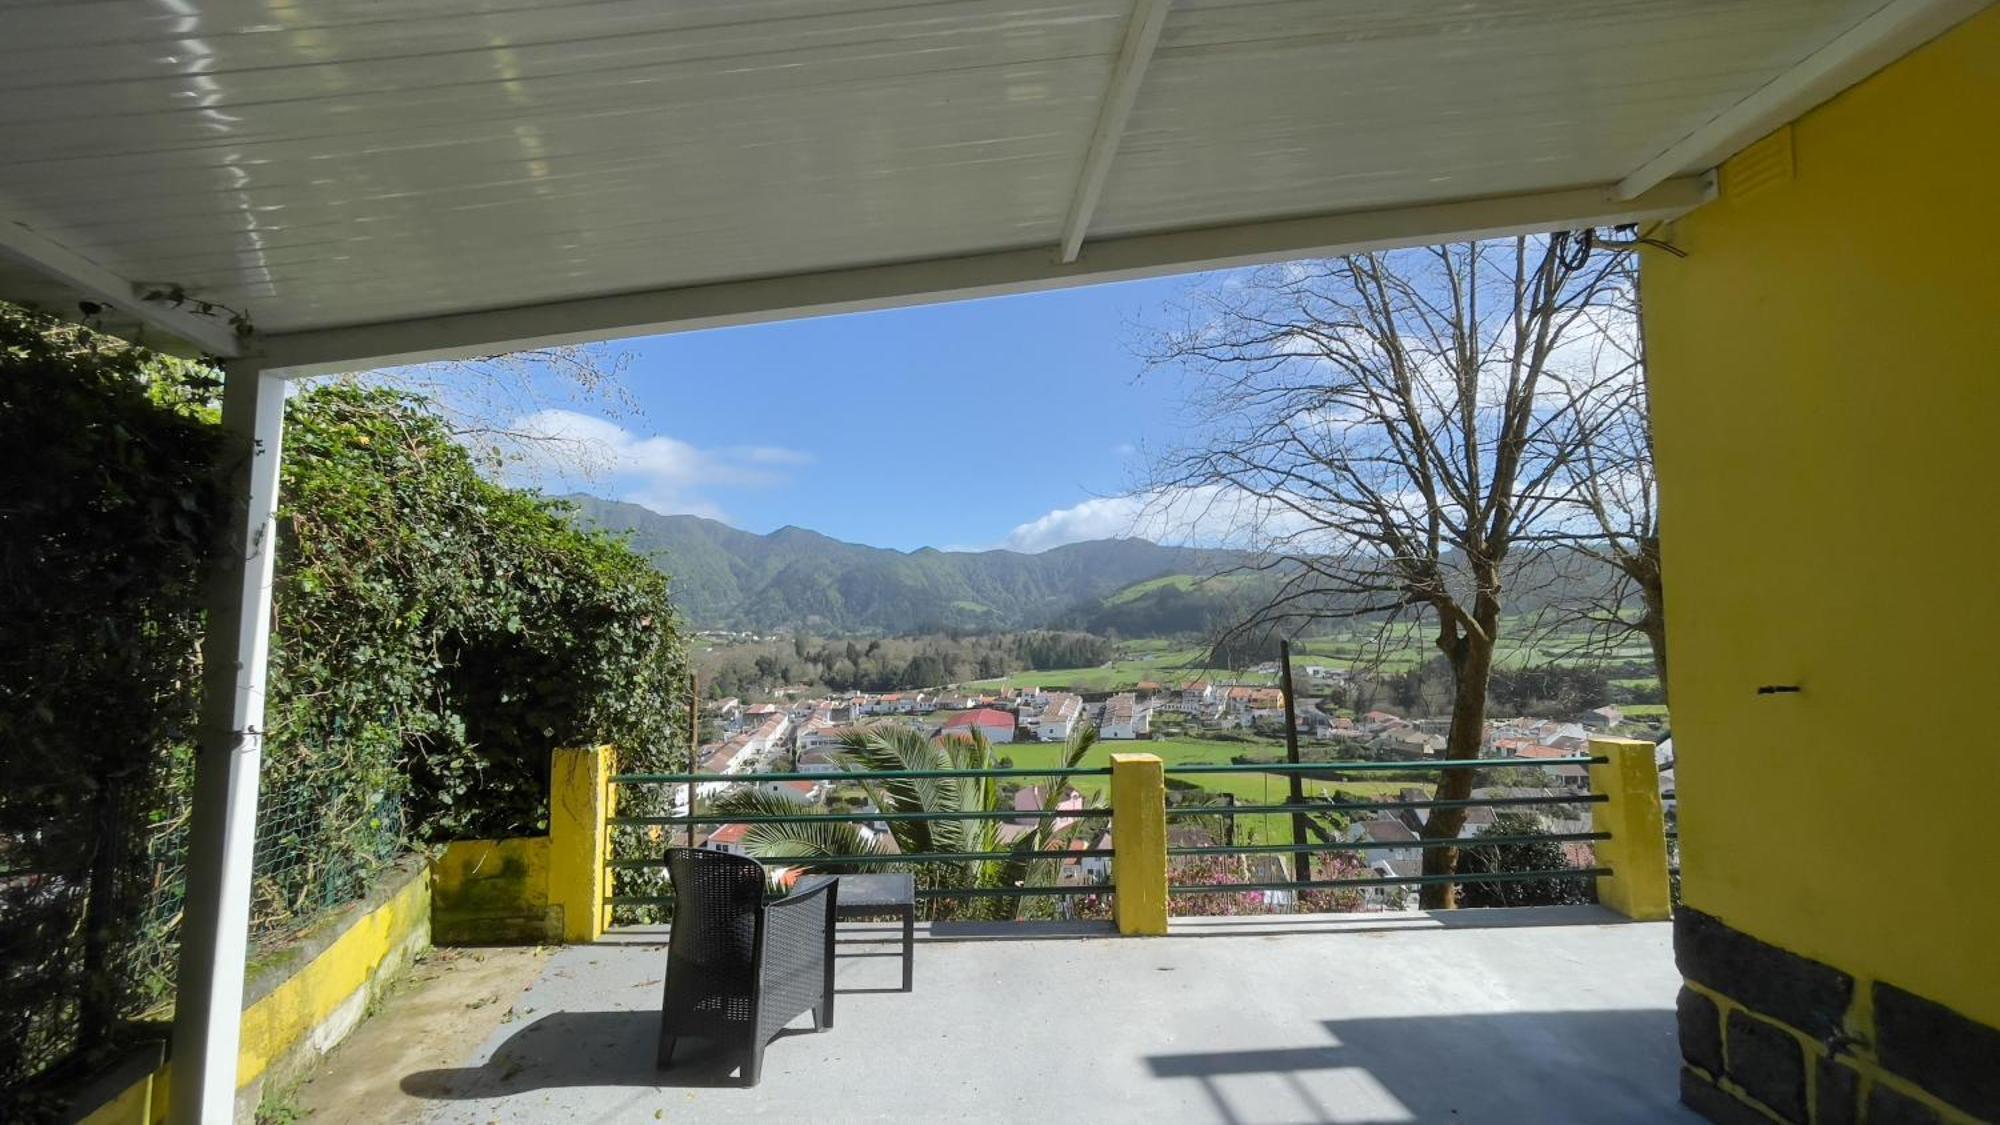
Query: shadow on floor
{"points": [[586, 1049], [1596, 1067], [614, 1048]]}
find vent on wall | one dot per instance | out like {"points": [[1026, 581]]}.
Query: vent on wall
{"points": [[1760, 167]]}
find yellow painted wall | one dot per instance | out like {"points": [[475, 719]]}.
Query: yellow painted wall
{"points": [[285, 1015], [1826, 370], [493, 892], [283, 1018]]}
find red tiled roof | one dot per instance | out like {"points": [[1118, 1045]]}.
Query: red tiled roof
{"points": [[984, 716]]}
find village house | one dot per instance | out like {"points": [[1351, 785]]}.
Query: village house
{"points": [[1601, 718], [728, 838], [822, 759], [1058, 719], [804, 792], [1375, 722], [1406, 744], [1393, 840], [1393, 896], [996, 725], [1123, 718]]}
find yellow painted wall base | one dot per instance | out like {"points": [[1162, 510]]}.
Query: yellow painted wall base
{"points": [[1825, 369], [289, 1024], [493, 892], [1139, 843]]}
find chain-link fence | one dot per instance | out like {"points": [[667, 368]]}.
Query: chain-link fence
{"points": [[319, 847]]}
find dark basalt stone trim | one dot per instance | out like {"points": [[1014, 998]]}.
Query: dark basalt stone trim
{"points": [[1890, 1107], [1807, 994], [1947, 1054], [1836, 1097], [1770, 1065], [1700, 1030], [1715, 1103]]}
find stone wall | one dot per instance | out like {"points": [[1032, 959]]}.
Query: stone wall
{"points": [[1767, 1035]]}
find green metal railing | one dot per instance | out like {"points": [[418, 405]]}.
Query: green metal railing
{"points": [[1304, 848], [881, 859], [1299, 808]]}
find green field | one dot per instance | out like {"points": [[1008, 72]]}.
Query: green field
{"points": [[1395, 648], [1136, 663], [1250, 788], [1139, 590]]}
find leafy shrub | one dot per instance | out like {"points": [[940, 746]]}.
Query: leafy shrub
{"points": [[436, 637], [449, 633], [111, 498], [1539, 855]]}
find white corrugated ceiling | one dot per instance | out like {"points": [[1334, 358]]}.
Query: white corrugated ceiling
{"points": [[326, 163]]}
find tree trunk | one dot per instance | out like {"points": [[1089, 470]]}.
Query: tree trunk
{"points": [[1643, 568], [1654, 625], [1472, 672]]}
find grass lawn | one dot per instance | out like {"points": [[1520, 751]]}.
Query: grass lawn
{"points": [[1249, 788], [1395, 649], [1169, 666]]}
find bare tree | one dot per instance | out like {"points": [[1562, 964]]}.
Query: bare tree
{"points": [[492, 403], [1386, 432], [1610, 562]]}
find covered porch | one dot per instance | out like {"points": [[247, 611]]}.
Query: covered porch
{"points": [[1535, 1015], [316, 188]]}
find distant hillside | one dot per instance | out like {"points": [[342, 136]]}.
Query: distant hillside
{"points": [[799, 579]]}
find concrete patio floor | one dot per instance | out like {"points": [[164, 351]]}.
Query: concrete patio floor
{"points": [[1491, 1016]]}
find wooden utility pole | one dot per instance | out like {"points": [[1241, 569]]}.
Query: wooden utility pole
{"points": [[1301, 860]]}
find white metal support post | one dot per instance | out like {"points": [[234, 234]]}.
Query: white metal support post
{"points": [[208, 1004]]}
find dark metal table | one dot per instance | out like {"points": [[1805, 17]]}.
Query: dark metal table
{"points": [[862, 896]]}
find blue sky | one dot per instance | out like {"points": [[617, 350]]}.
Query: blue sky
{"points": [[1011, 421]]}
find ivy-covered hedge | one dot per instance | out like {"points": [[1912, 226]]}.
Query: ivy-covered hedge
{"points": [[108, 501], [436, 636], [447, 633]]}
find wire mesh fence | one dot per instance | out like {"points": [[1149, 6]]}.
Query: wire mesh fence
{"points": [[320, 845]]}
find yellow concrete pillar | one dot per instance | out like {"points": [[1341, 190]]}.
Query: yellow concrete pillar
{"points": [[580, 802], [1139, 843], [1636, 853]]}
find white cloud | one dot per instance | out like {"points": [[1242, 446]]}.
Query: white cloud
{"points": [[1109, 517], [576, 451], [1210, 516]]}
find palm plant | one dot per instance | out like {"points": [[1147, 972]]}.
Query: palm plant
{"points": [[884, 747]]}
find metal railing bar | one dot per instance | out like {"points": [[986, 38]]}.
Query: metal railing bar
{"points": [[861, 818], [1328, 884], [857, 775], [1377, 767], [1370, 845], [884, 858], [1339, 806], [964, 892]]}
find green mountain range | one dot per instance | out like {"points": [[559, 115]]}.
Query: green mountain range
{"points": [[792, 578]]}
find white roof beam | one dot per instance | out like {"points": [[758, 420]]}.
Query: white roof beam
{"points": [[1887, 34], [1142, 34], [20, 241], [724, 304]]}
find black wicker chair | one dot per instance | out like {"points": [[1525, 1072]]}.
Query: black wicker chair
{"points": [[739, 970]]}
